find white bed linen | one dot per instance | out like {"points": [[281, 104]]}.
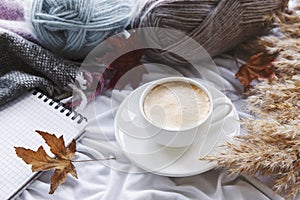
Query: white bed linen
{"points": [[118, 180]]}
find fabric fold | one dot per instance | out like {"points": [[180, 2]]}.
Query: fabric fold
{"points": [[25, 65]]}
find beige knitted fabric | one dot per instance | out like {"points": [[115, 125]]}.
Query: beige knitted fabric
{"points": [[217, 25]]}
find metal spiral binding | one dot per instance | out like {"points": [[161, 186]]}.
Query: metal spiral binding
{"points": [[59, 106]]}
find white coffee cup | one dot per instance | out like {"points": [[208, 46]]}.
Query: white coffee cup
{"points": [[181, 137]]}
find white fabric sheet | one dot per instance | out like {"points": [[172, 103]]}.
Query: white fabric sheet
{"points": [[120, 179]]}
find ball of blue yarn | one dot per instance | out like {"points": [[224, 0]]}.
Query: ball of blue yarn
{"points": [[72, 28]]}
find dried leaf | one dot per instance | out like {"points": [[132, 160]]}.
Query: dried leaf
{"points": [[40, 161], [116, 56], [119, 60], [57, 145], [259, 66]]}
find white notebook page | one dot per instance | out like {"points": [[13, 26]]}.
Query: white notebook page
{"points": [[18, 121]]}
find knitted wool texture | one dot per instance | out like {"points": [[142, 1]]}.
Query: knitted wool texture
{"points": [[25, 65], [72, 28], [217, 25]]}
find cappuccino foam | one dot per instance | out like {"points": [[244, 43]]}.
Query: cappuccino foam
{"points": [[176, 105]]}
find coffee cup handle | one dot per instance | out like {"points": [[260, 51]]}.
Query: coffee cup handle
{"points": [[221, 102]]}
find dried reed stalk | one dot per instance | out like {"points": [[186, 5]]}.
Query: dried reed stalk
{"points": [[271, 145]]}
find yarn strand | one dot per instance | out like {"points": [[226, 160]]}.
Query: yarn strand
{"points": [[217, 25], [72, 28]]}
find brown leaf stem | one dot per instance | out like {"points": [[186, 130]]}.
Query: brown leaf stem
{"points": [[92, 160]]}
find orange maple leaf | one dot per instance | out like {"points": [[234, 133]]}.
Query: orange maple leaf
{"points": [[259, 66], [40, 161]]}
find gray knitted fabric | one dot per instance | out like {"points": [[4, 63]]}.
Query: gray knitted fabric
{"points": [[217, 25], [25, 65]]}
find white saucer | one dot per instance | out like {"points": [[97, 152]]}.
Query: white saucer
{"points": [[172, 162]]}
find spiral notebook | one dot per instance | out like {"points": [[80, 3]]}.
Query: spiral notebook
{"points": [[18, 121]]}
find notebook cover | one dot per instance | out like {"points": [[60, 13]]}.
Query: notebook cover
{"points": [[18, 121]]}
